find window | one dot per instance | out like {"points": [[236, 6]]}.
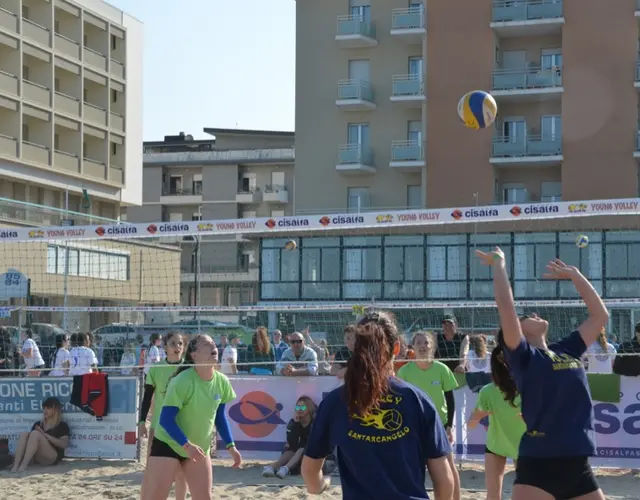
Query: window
{"points": [[414, 131], [358, 133], [114, 149], [25, 72], [622, 263], [25, 12], [25, 132], [248, 183], [514, 129], [277, 213], [249, 214], [363, 12], [114, 42], [515, 193], [551, 127], [56, 142], [114, 96], [197, 184], [360, 70], [404, 267], [279, 270], [531, 254], [175, 217], [414, 197], [588, 260], [415, 66], [56, 84], [361, 269], [56, 26], [481, 276], [87, 263], [551, 191], [85, 94], [551, 58], [175, 184], [446, 266], [277, 180], [358, 199]]}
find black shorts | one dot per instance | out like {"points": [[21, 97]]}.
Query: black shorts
{"points": [[162, 449], [487, 450], [562, 477]]}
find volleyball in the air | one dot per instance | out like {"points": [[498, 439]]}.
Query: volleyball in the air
{"points": [[477, 109], [582, 241], [290, 245]]}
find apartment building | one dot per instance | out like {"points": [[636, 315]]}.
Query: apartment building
{"points": [[377, 86], [234, 174], [70, 136]]}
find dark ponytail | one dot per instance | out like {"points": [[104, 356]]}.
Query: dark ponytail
{"points": [[501, 374], [367, 378]]}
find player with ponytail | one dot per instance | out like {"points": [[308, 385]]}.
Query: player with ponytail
{"points": [[194, 403], [500, 402], [384, 429]]}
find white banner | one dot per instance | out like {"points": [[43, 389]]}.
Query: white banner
{"points": [[404, 218], [265, 405], [112, 437]]}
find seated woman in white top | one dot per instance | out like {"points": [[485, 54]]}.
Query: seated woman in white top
{"points": [[31, 355], [61, 362], [478, 358], [600, 355], [83, 359]]}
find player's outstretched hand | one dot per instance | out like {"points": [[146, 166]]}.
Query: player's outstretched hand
{"points": [[489, 258], [558, 270]]}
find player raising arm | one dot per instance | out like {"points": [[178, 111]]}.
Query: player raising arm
{"points": [[554, 452]]}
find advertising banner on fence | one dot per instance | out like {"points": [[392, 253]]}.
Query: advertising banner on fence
{"points": [[112, 437], [404, 218], [264, 407]]}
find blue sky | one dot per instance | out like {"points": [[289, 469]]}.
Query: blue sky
{"points": [[216, 63]]}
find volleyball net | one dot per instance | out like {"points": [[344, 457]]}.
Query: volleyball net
{"points": [[230, 276]]}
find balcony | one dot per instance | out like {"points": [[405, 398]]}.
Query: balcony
{"points": [[8, 20], [36, 93], [9, 83], [355, 95], [8, 146], [40, 215], [35, 153], [275, 194], [67, 104], [248, 196], [95, 59], [408, 90], [117, 122], [407, 156], [408, 24], [95, 114], [67, 46], [36, 33], [527, 18], [116, 69], [530, 151], [179, 196], [94, 168], [66, 161], [228, 274], [353, 32], [355, 159], [116, 175], [533, 83]]}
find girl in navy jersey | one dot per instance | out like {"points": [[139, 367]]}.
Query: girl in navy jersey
{"points": [[385, 430], [553, 461]]}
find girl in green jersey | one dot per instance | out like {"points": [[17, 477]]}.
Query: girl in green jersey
{"points": [[155, 389], [437, 381], [193, 405], [500, 402]]}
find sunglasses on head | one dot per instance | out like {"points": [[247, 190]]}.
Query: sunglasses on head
{"points": [[301, 407], [296, 341]]}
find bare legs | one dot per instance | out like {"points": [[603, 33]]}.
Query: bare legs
{"points": [[33, 446], [456, 477], [494, 466]]}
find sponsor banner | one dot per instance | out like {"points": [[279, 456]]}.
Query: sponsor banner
{"points": [[112, 437], [616, 427], [492, 213], [330, 306], [264, 406]]}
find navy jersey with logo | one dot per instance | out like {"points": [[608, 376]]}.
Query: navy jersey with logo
{"points": [[556, 401], [381, 455]]}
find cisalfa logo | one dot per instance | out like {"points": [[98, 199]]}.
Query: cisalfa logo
{"points": [[100, 231], [457, 214], [152, 228], [516, 211], [325, 221], [270, 223], [257, 414]]}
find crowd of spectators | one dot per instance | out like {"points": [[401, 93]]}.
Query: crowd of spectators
{"points": [[294, 354]]}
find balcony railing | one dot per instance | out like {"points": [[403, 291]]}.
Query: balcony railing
{"points": [[407, 19], [245, 190], [274, 188], [527, 10], [355, 90], [407, 85], [222, 157], [406, 151], [40, 215], [355, 25], [532, 145], [169, 191], [352, 154], [527, 78]]}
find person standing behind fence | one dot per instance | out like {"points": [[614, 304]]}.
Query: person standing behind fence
{"points": [[153, 354], [299, 360], [452, 346], [260, 354], [155, 389], [61, 362], [279, 345], [31, 355], [83, 358]]}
